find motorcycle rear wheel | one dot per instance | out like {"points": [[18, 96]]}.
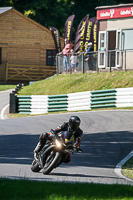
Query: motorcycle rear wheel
{"points": [[35, 166], [52, 163]]}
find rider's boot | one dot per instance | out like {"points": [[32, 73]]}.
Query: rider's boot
{"points": [[37, 150], [40, 145]]}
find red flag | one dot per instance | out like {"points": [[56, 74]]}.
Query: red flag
{"points": [[56, 37], [80, 35]]}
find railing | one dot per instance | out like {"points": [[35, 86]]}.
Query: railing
{"points": [[109, 60], [112, 98], [82, 65]]}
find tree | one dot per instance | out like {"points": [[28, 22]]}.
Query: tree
{"points": [[48, 12], [55, 12]]}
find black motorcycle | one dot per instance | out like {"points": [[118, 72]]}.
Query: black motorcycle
{"points": [[54, 153]]}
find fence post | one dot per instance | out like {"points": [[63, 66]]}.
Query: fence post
{"points": [[125, 61], [57, 66], [109, 61], [70, 69], [82, 68], [97, 69]]}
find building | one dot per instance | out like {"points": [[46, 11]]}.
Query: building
{"points": [[27, 49], [115, 36]]}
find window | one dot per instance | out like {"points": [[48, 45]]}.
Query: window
{"points": [[0, 55], [127, 39], [102, 41], [51, 57]]}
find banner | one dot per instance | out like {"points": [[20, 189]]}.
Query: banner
{"points": [[56, 37], [95, 35], [126, 11], [92, 34], [68, 28], [80, 35]]}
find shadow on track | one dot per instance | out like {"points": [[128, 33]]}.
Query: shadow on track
{"points": [[103, 150]]}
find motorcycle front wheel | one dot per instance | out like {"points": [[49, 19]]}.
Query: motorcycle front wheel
{"points": [[35, 166], [52, 160]]}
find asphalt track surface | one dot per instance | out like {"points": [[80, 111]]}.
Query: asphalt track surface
{"points": [[4, 100], [107, 139]]}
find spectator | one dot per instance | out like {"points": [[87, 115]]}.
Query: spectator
{"points": [[89, 56], [65, 52], [73, 60]]}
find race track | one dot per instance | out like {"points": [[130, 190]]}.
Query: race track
{"points": [[107, 139], [4, 101]]}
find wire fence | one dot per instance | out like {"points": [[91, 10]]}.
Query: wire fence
{"points": [[109, 60], [83, 62]]}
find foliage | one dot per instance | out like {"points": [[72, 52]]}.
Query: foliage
{"points": [[55, 12]]}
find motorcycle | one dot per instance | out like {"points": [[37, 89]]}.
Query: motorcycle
{"points": [[55, 152]]}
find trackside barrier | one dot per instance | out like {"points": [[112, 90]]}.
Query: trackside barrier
{"points": [[39, 104]]}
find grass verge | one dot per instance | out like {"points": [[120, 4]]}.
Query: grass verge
{"points": [[7, 87], [24, 189], [127, 168]]}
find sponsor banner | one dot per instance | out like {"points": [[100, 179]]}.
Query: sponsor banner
{"points": [[80, 35], [89, 32], [56, 37], [92, 34], [115, 13], [95, 35], [68, 28]]}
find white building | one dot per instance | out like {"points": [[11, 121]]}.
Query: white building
{"points": [[115, 36]]}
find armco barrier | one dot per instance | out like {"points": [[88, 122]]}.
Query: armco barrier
{"points": [[103, 98], [39, 104]]}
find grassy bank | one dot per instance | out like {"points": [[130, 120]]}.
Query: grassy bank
{"points": [[64, 84], [23, 189], [127, 168]]}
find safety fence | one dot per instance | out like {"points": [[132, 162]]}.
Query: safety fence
{"points": [[99, 61], [85, 62], [39, 104]]}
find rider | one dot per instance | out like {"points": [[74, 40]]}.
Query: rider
{"points": [[73, 126]]}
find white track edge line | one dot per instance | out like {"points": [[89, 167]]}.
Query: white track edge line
{"points": [[118, 169], [3, 111]]}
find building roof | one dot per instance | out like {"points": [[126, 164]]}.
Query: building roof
{"points": [[4, 9], [114, 6]]}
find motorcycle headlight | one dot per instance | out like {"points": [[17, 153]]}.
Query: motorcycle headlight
{"points": [[58, 144], [67, 141]]}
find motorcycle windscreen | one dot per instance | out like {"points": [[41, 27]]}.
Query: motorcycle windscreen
{"points": [[67, 136]]}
